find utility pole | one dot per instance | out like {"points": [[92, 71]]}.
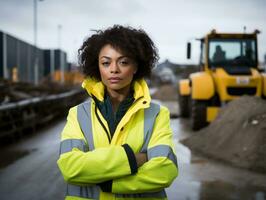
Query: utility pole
{"points": [[61, 55], [265, 62], [35, 33], [36, 59], [59, 29]]}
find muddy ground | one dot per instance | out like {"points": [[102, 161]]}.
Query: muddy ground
{"points": [[237, 136], [166, 92]]}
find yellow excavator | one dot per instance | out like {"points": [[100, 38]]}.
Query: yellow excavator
{"points": [[228, 69]]}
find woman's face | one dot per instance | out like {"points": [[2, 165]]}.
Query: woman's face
{"points": [[116, 69]]}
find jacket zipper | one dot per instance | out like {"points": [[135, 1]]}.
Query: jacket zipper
{"points": [[105, 129], [127, 111]]}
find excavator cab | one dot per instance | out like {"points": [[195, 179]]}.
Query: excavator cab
{"points": [[228, 69], [236, 55]]}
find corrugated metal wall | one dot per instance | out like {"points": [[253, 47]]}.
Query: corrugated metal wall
{"points": [[19, 55], [55, 59]]}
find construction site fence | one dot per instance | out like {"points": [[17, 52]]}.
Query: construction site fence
{"points": [[18, 117]]}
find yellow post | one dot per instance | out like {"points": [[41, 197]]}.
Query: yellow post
{"points": [[14, 74]]}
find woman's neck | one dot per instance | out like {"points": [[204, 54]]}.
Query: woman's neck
{"points": [[117, 96]]}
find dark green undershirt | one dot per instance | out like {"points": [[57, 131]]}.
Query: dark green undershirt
{"points": [[106, 109]]}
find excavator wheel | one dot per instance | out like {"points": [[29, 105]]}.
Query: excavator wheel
{"points": [[184, 107], [198, 114]]}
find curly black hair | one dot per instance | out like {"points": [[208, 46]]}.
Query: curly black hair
{"points": [[133, 43]]}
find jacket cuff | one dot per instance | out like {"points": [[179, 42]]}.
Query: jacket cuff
{"points": [[106, 186], [131, 158]]}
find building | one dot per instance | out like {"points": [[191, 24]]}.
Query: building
{"points": [[21, 61]]}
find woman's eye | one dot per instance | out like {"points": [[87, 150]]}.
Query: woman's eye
{"points": [[106, 64], [123, 62]]}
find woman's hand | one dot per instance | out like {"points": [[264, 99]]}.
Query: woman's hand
{"points": [[141, 158]]}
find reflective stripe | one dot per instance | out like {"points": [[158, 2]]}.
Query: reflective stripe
{"points": [[90, 192], [150, 115], [69, 144], [84, 119], [162, 151], [161, 194]]}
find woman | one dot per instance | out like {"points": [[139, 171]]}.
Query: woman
{"points": [[117, 145]]}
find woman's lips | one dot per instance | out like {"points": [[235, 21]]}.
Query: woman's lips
{"points": [[114, 79]]}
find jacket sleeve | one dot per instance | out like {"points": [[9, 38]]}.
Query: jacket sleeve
{"points": [[82, 167], [160, 169]]}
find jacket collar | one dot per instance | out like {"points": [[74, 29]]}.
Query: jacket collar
{"points": [[96, 88]]}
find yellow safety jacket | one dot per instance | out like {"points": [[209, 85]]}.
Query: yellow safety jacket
{"points": [[96, 167]]}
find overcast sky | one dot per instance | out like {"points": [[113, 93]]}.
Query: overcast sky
{"points": [[170, 23]]}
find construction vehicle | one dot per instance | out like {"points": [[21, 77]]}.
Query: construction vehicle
{"points": [[228, 69]]}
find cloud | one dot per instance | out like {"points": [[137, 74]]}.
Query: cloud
{"points": [[171, 23]]}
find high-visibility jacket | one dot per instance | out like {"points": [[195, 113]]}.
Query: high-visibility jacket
{"points": [[89, 158]]}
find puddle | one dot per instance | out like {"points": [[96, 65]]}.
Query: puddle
{"points": [[8, 157], [219, 190], [203, 179], [214, 190], [183, 153]]}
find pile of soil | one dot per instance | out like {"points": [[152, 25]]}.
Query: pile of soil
{"points": [[237, 136], [166, 92]]}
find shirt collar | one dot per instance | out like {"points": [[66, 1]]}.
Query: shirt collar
{"points": [[96, 88]]}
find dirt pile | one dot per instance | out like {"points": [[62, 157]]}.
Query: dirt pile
{"points": [[166, 92], [237, 136]]}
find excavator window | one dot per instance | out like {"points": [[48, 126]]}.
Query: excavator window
{"points": [[232, 52]]}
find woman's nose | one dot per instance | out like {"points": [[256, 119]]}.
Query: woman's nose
{"points": [[114, 67]]}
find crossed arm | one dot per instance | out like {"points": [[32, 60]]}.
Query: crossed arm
{"points": [[112, 167]]}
